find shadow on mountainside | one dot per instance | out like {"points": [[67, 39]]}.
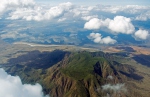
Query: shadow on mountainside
{"points": [[38, 60], [142, 59]]}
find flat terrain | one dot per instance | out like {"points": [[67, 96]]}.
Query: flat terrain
{"points": [[8, 51], [130, 49]]}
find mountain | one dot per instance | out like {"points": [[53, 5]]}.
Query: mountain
{"points": [[78, 74]]}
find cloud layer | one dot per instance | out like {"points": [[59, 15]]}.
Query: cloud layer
{"points": [[97, 38], [39, 13], [6, 5], [30, 10], [112, 19], [11, 86]]}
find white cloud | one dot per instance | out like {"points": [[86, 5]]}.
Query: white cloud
{"points": [[121, 24], [38, 13], [96, 23], [114, 88], [97, 17], [12, 4], [97, 38], [30, 10], [95, 35], [81, 11], [13, 35], [53, 12], [11, 86], [109, 8], [87, 18], [61, 19], [128, 9], [143, 16], [108, 40], [24, 13], [58, 10], [141, 34], [134, 9]]}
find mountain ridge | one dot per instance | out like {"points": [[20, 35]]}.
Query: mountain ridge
{"points": [[80, 74]]}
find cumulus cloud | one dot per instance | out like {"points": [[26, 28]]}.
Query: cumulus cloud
{"points": [[114, 88], [96, 23], [11, 86], [108, 40], [97, 38], [119, 24], [141, 34]]}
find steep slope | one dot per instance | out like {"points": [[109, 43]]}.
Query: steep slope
{"points": [[80, 74], [84, 74]]}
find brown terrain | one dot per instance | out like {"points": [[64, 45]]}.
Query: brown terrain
{"points": [[73, 71]]}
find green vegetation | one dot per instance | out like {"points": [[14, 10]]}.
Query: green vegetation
{"points": [[27, 74], [81, 65]]}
